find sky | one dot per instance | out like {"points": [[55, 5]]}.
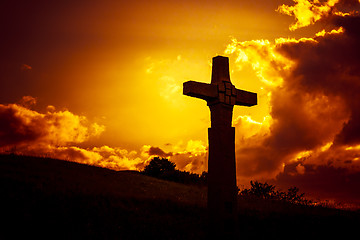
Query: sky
{"points": [[100, 82]]}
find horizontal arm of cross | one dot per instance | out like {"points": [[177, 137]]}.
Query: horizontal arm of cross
{"points": [[211, 92], [245, 98], [200, 90]]}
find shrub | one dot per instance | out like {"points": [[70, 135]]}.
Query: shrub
{"points": [[159, 167], [163, 168], [260, 190]]}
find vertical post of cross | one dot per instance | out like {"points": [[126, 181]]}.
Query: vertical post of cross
{"points": [[222, 194], [221, 96]]}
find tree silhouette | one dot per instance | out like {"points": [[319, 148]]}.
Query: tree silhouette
{"points": [[159, 167], [165, 169]]}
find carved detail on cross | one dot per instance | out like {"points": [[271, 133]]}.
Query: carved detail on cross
{"points": [[227, 93]]}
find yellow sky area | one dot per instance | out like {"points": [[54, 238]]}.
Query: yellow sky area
{"points": [[122, 65], [154, 110], [133, 85]]}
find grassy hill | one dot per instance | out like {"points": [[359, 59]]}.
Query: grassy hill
{"points": [[54, 199]]}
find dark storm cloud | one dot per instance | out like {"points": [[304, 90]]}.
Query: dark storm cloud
{"points": [[14, 129], [313, 138], [156, 151], [330, 67], [319, 101]]}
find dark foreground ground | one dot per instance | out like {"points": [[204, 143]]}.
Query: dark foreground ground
{"points": [[52, 199]]}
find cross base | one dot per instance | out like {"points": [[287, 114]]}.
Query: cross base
{"points": [[222, 189]]}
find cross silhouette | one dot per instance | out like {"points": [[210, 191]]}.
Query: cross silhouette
{"points": [[221, 96], [220, 90]]}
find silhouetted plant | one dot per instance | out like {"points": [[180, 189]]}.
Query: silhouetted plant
{"points": [[165, 169], [203, 177], [260, 190], [159, 167], [293, 196]]}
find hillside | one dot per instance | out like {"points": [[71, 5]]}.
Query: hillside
{"points": [[56, 199], [70, 200]]}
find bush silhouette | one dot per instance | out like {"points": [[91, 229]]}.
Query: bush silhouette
{"points": [[159, 167], [165, 169], [260, 190]]}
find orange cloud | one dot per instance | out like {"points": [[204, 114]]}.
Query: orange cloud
{"points": [[21, 126], [262, 56], [191, 156], [308, 12], [55, 134]]}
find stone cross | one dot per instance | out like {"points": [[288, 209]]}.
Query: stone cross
{"points": [[221, 96]]}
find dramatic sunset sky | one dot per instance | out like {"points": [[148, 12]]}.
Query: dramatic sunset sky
{"points": [[100, 82]]}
